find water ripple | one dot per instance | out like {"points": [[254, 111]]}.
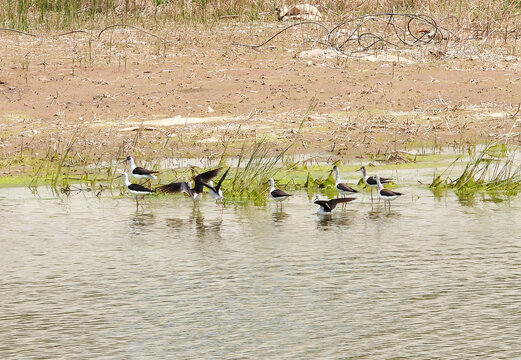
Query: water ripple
{"points": [[94, 278]]}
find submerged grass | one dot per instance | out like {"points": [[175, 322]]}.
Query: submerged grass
{"points": [[491, 171]]}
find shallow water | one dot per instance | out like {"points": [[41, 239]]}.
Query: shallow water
{"points": [[84, 277]]}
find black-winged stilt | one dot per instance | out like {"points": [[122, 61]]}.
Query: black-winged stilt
{"points": [[200, 181], [326, 207], [140, 173], [135, 189], [176, 187], [276, 194], [371, 180], [216, 192], [342, 188], [386, 194]]}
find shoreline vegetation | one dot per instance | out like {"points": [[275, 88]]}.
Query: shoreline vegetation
{"points": [[164, 80], [60, 14], [491, 172]]}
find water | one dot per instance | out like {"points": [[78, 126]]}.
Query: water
{"points": [[84, 277]]}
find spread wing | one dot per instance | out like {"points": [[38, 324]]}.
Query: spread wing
{"points": [[207, 176], [140, 188], [222, 179], [215, 190], [141, 171], [344, 187], [324, 204], [277, 193], [333, 202], [176, 187], [202, 179]]}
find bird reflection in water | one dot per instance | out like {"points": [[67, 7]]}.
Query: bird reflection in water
{"points": [[202, 229], [176, 223], [140, 222], [377, 213], [328, 222], [279, 216]]}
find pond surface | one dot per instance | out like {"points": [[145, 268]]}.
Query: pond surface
{"points": [[84, 277]]}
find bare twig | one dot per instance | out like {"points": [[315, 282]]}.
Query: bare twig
{"points": [[280, 32], [132, 27], [17, 31], [75, 32]]}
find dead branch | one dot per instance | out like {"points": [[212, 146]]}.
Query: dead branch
{"points": [[132, 27], [17, 31]]}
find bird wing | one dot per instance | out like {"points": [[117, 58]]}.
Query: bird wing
{"points": [[279, 193], [344, 187], [212, 188], [137, 187], [324, 204], [202, 179], [175, 187], [141, 171], [333, 202], [372, 180], [222, 179], [387, 192], [207, 176]]}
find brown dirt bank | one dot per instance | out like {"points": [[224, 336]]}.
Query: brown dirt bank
{"points": [[128, 93]]}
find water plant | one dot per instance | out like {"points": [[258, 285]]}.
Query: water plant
{"points": [[489, 171], [254, 167]]}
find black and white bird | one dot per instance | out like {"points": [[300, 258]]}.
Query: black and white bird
{"points": [[371, 180], [342, 188], [139, 172], [135, 189], [200, 181], [216, 192], [385, 194], [276, 194], [177, 187], [326, 207]]}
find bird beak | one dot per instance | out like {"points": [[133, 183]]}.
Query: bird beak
{"points": [[359, 169]]}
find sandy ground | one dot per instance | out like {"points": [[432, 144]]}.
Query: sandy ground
{"points": [[128, 93]]}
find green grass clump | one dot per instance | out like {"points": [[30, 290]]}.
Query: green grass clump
{"points": [[254, 167], [491, 171]]}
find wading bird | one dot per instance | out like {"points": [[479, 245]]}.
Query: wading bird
{"points": [[135, 189], [276, 194], [138, 172], [216, 192], [371, 180], [200, 181], [385, 194], [342, 188], [326, 207]]}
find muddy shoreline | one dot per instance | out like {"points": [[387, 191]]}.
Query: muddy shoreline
{"points": [[201, 96]]}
